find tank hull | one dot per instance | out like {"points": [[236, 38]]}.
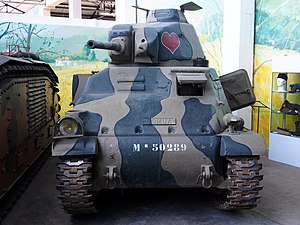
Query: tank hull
{"points": [[146, 129]]}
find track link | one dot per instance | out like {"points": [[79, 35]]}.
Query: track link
{"points": [[245, 183], [75, 186]]}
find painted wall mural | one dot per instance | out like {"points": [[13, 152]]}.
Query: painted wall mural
{"points": [[277, 33], [208, 23], [63, 47]]}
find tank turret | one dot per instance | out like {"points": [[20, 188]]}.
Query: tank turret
{"points": [[165, 39]]}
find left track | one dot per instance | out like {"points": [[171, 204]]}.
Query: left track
{"points": [[75, 186]]}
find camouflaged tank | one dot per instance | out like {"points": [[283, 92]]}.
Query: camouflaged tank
{"points": [[157, 117], [29, 110]]}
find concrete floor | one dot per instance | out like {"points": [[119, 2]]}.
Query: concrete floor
{"points": [[280, 203]]}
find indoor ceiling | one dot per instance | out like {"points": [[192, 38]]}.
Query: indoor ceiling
{"points": [[90, 9], [18, 6]]}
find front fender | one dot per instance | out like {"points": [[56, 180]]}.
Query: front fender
{"points": [[242, 144], [75, 146]]}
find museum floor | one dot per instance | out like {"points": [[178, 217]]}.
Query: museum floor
{"points": [[280, 203]]}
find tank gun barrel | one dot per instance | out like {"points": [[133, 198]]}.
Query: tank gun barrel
{"points": [[104, 45]]}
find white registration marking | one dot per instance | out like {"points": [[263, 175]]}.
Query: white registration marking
{"points": [[136, 147], [161, 147]]}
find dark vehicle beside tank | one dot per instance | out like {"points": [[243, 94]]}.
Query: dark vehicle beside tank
{"points": [[29, 110], [157, 117]]}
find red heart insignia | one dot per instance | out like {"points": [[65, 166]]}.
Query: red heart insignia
{"points": [[170, 41]]}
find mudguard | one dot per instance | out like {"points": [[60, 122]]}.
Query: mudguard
{"points": [[75, 146], [241, 144]]}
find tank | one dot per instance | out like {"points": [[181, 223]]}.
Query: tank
{"points": [[29, 110], [157, 117]]}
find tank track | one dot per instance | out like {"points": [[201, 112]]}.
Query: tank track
{"points": [[245, 183], [75, 186]]}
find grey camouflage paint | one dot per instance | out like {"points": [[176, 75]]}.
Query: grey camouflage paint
{"points": [[151, 134]]}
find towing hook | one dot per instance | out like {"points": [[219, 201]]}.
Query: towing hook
{"points": [[205, 176], [111, 177]]}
